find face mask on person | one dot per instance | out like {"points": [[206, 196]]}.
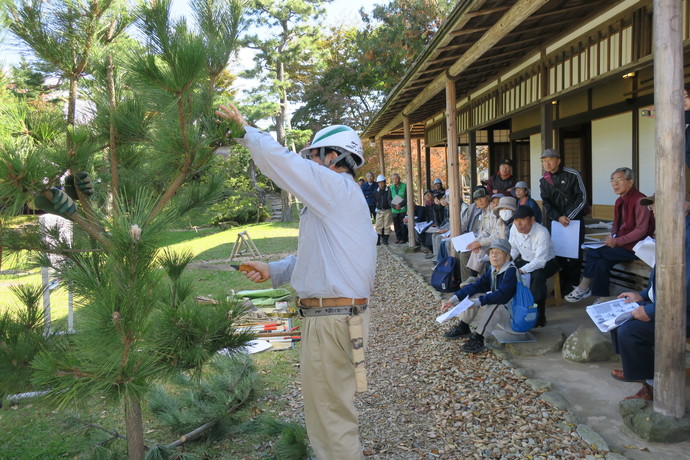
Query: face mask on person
{"points": [[505, 214]]}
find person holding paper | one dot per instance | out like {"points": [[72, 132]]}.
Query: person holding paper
{"points": [[564, 199], [498, 285], [533, 253], [476, 214], [399, 207], [492, 227], [634, 340], [632, 222]]}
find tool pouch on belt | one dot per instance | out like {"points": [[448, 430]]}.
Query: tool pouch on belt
{"points": [[357, 339]]}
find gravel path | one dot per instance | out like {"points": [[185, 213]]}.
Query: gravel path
{"points": [[428, 399]]}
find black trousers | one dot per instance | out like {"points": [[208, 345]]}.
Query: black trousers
{"points": [[400, 228]]}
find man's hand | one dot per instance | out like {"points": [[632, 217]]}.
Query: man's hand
{"points": [[631, 297], [639, 314], [474, 245], [564, 221], [235, 119], [257, 271], [60, 203], [80, 181], [446, 305], [610, 242], [397, 206]]}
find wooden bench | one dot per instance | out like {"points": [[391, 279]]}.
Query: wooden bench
{"points": [[632, 275]]}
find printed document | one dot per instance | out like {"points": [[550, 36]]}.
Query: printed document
{"points": [[646, 251], [566, 240], [456, 310], [397, 199], [421, 226], [460, 242], [610, 315]]}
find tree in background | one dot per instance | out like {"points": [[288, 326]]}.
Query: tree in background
{"points": [[121, 178], [285, 59]]}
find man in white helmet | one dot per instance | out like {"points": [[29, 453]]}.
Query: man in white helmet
{"points": [[332, 273], [384, 215]]}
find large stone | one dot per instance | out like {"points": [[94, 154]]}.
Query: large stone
{"points": [[639, 416], [549, 340], [586, 345], [592, 438], [555, 400]]}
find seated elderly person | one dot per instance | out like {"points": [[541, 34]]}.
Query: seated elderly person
{"points": [[472, 220], [441, 223], [524, 197], [533, 253], [491, 227], [632, 222], [634, 339], [498, 286]]}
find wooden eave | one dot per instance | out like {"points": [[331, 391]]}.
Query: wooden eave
{"points": [[456, 54]]}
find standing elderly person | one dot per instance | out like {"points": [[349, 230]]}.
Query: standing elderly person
{"points": [[384, 216], [368, 189], [533, 253], [399, 189], [564, 198], [634, 339], [632, 222], [503, 181], [332, 273], [524, 198]]}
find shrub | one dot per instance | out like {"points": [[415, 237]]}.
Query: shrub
{"points": [[238, 209]]}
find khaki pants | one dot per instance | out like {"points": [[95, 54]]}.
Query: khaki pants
{"points": [[490, 317], [384, 220], [328, 386]]}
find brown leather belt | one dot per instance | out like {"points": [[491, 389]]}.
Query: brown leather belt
{"points": [[321, 302]]}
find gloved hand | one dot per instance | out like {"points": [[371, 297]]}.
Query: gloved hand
{"points": [[60, 204], [476, 302], [82, 181]]}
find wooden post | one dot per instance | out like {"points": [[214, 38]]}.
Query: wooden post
{"points": [[669, 349], [455, 194], [382, 165], [410, 185], [472, 152], [419, 172], [427, 165]]}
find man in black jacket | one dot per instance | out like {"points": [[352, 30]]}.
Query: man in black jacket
{"points": [[564, 199]]}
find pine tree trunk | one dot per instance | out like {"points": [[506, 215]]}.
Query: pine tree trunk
{"points": [[281, 133], [286, 203], [135, 429]]}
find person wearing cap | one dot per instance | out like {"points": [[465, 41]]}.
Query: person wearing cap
{"points": [[632, 222], [634, 339], [399, 189], [491, 228], [494, 200], [332, 274], [505, 210], [503, 181], [524, 198], [533, 253], [384, 216], [368, 189], [498, 287], [472, 222], [564, 199], [438, 185]]}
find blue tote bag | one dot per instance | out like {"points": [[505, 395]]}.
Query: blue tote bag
{"points": [[523, 310]]}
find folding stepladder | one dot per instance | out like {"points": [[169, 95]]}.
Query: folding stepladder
{"points": [[244, 244]]}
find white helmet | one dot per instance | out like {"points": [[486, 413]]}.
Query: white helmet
{"points": [[380, 178], [437, 181], [340, 138]]}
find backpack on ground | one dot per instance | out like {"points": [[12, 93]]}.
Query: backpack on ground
{"points": [[443, 278]]}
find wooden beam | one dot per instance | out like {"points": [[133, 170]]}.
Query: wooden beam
{"points": [[419, 172], [474, 14], [382, 164], [410, 183], [427, 165], [669, 287], [518, 13], [455, 194], [461, 32]]}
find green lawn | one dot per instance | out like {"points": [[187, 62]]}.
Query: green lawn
{"points": [[32, 430]]}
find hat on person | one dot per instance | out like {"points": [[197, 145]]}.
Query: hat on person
{"points": [[380, 178], [506, 202], [647, 200], [428, 191], [479, 193], [497, 195], [523, 211], [501, 244], [439, 194], [550, 153], [437, 181], [522, 184], [506, 161]]}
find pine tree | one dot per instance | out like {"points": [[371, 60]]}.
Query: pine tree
{"points": [[122, 179]]}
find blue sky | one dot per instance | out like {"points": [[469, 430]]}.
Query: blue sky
{"points": [[338, 12]]}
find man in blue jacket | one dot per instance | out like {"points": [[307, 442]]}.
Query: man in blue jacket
{"points": [[368, 188], [634, 340]]}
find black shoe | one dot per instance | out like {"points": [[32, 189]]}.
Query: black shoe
{"points": [[541, 322], [474, 344], [459, 330], [385, 240]]}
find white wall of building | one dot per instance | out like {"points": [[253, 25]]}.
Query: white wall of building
{"points": [[647, 183], [535, 170], [611, 149]]}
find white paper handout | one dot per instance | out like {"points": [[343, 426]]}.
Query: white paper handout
{"points": [[592, 245], [420, 226], [456, 310], [610, 315], [397, 199], [566, 240], [646, 251], [460, 242]]}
